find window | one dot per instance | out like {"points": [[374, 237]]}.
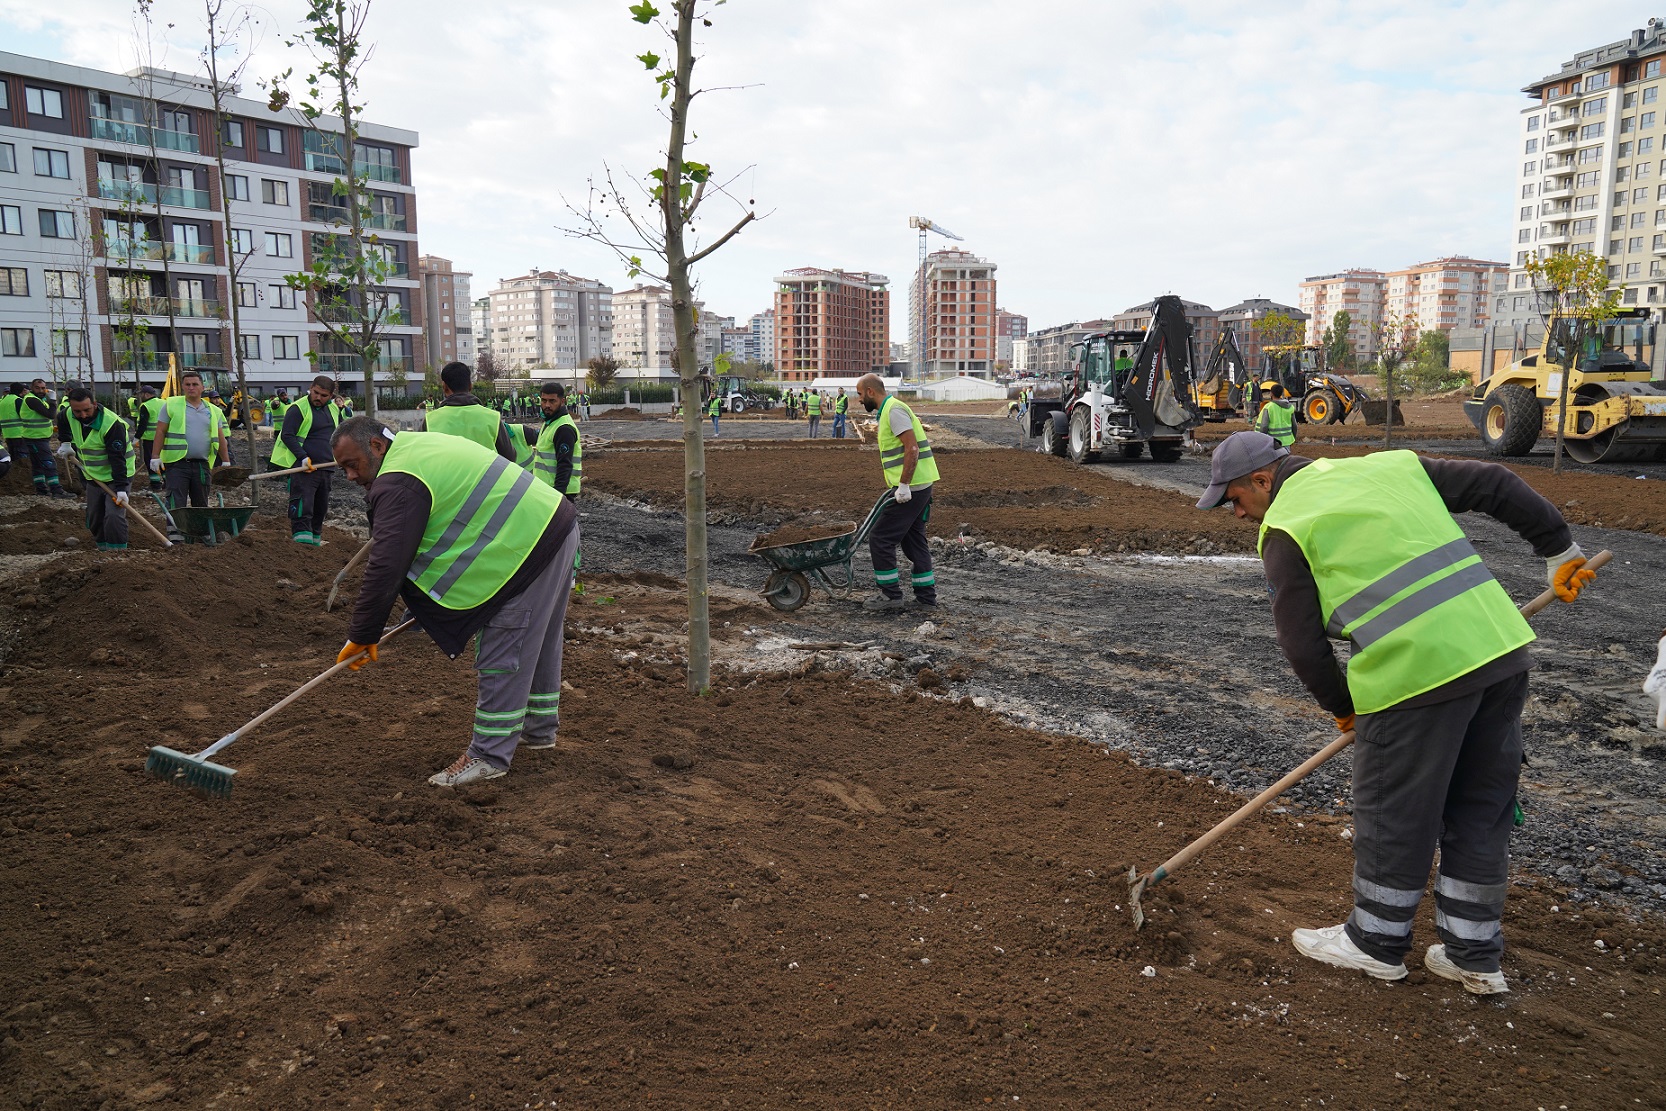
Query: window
{"points": [[1521, 258], [1525, 235], [1645, 121], [242, 241], [1645, 146], [269, 139], [1643, 169], [18, 343], [1628, 125], [63, 283], [237, 187], [1590, 154], [11, 219], [1596, 107], [1527, 190], [1624, 151], [1629, 100], [1532, 123], [1638, 219], [1587, 226], [1587, 180], [1614, 246], [282, 296], [280, 244], [8, 157], [1526, 212], [1592, 131], [1613, 271], [1651, 69], [5, 101], [1532, 146], [1521, 281], [14, 281], [1650, 95], [70, 342], [1529, 168], [1620, 197], [274, 192], [1639, 196], [43, 102], [248, 295], [51, 163], [1634, 270], [1634, 244], [57, 225], [1617, 223], [1658, 243], [250, 346], [1598, 81], [232, 133], [286, 347]]}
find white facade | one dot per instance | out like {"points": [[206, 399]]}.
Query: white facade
{"points": [[962, 387], [762, 344], [644, 333], [550, 320], [1020, 354], [480, 323]]}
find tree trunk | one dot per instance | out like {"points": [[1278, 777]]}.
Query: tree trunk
{"points": [[688, 365], [1571, 361]]}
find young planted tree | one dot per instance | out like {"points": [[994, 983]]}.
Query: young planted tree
{"points": [[1396, 340], [348, 268], [676, 192], [1573, 296], [1338, 342], [603, 369]]}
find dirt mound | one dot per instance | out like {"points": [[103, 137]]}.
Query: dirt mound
{"points": [[628, 413], [1021, 499], [803, 534]]}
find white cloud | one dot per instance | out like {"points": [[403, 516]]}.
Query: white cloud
{"points": [[1098, 152]]}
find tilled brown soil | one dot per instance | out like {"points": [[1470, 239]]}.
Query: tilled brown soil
{"points": [[1021, 499], [801, 890]]}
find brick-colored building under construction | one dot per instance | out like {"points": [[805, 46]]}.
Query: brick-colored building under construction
{"points": [[830, 323]]}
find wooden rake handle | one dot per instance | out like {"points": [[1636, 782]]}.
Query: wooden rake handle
{"points": [[290, 470], [1185, 856], [143, 520]]}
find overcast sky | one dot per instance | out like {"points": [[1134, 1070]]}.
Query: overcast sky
{"points": [[1098, 152]]}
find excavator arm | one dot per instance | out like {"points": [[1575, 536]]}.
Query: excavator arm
{"points": [[1159, 387]]}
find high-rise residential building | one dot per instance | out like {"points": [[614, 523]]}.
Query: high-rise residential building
{"points": [[1360, 292], [1590, 173], [957, 306], [762, 345], [830, 323], [644, 333], [550, 320], [1204, 320], [113, 230], [1049, 348], [449, 335], [1008, 327], [480, 325], [1242, 318], [1454, 292], [1020, 355], [710, 340]]}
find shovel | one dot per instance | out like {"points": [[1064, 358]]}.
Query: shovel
{"points": [[142, 519], [1138, 883], [342, 574], [237, 476], [198, 773]]}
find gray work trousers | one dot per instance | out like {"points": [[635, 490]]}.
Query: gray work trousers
{"points": [[106, 520], [518, 661], [1443, 775]]}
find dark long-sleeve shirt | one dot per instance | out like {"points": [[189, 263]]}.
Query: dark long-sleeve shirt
{"points": [[115, 444], [316, 446], [1464, 487], [505, 446], [566, 442], [398, 506]]}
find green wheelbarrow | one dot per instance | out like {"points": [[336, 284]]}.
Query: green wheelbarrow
{"points": [[824, 559], [212, 524]]}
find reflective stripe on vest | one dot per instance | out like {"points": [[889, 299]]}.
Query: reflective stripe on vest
{"points": [[8, 417], [174, 443], [544, 461], [487, 515], [1279, 421], [892, 453], [281, 455], [715, 407], [89, 445], [30, 424], [814, 403], [1395, 576], [476, 423]]}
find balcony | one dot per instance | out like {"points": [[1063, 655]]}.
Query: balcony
{"points": [[1569, 97], [141, 135], [375, 171], [1552, 238], [1554, 191], [139, 305], [143, 192], [155, 250], [351, 366], [153, 305], [156, 362], [325, 163], [204, 307], [331, 214]]}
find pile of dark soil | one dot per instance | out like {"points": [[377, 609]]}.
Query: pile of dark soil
{"points": [[1021, 499], [802, 534], [620, 414]]}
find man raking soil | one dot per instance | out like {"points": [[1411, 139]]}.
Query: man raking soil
{"points": [[1367, 550]]}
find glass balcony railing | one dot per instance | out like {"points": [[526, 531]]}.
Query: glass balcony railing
{"points": [[351, 366], [201, 253], [146, 304], [141, 135], [185, 198], [153, 250], [375, 171], [199, 306], [333, 164], [331, 214], [127, 192], [156, 362]]}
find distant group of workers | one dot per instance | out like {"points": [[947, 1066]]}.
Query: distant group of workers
{"points": [[523, 404], [797, 404]]}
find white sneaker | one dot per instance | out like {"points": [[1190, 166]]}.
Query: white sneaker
{"points": [[1476, 983], [1333, 946], [468, 769]]}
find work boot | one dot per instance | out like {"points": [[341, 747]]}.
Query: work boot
{"points": [[468, 769], [56, 491], [1333, 946], [304, 538], [539, 745], [881, 603], [1476, 983]]}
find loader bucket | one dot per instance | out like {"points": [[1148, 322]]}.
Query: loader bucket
{"points": [[1376, 412]]}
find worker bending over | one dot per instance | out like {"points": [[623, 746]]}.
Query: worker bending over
{"points": [[1278, 418], [303, 440], [189, 433], [1366, 550], [473, 544], [910, 470], [101, 442], [462, 414], [558, 458]]}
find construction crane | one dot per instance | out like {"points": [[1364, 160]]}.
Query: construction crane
{"points": [[925, 226]]}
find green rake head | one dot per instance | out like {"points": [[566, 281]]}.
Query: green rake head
{"points": [[190, 772]]}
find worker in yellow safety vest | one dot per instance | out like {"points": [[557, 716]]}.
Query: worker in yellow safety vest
{"points": [[103, 445], [1278, 418], [463, 414]]}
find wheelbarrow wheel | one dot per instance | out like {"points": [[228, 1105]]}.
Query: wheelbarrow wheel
{"points": [[787, 590]]}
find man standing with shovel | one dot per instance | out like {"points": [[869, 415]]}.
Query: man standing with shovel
{"points": [[1366, 550]]}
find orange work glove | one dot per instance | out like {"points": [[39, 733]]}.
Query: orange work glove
{"points": [[1345, 724], [349, 650], [1568, 574]]}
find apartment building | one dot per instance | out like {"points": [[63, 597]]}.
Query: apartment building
{"points": [[761, 347], [1204, 320], [951, 317], [644, 333], [830, 323], [1453, 292], [712, 339], [121, 245], [1592, 171], [549, 320], [1361, 293], [446, 304], [1242, 317], [1020, 355], [1048, 349], [480, 323], [1008, 327]]}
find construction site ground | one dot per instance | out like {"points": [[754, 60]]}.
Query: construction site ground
{"points": [[881, 865]]}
